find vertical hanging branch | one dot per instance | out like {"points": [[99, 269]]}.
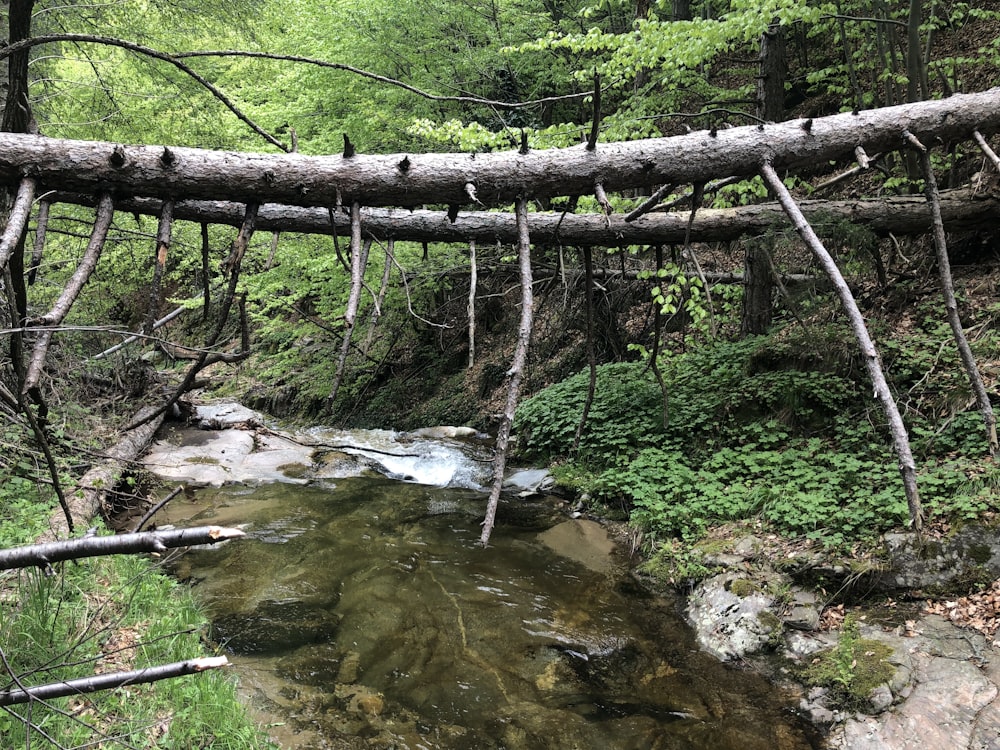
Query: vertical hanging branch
{"points": [[359, 259], [471, 310], [516, 371], [873, 363], [232, 268], [41, 228], [951, 304], [206, 287], [378, 301], [163, 233], [55, 316], [588, 266]]}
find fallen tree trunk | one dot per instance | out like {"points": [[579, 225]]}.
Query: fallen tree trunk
{"points": [[496, 178], [94, 486], [46, 553], [897, 215], [110, 681]]}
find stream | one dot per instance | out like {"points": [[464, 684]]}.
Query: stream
{"points": [[361, 612]]}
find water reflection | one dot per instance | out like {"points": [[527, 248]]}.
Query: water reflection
{"points": [[367, 616]]}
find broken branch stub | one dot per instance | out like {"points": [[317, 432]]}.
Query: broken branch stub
{"points": [[43, 555]]}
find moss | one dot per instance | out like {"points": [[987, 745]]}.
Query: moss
{"points": [[202, 460], [674, 564], [981, 553], [743, 588], [775, 627], [853, 668]]}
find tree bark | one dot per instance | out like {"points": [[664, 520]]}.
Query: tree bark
{"points": [[110, 681], [498, 178], [45, 554], [897, 215], [758, 291], [873, 363], [771, 78], [516, 372]]}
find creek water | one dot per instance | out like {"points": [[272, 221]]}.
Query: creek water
{"points": [[363, 613]]}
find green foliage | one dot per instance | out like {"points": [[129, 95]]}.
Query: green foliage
{"points": [[780, 429], [115, 611], [853, 668]]}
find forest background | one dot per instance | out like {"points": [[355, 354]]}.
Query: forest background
{"points": [[709, 407]]}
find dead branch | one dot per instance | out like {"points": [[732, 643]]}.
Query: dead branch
{"points": [[990, 153], [516, 371], [901, 440], [163, 233], [55, 316], [110, 681], [471, 307], [359, 261], [45, 554], [17, 222], [951, 304], [148, 52], [156, 509], [41, 226]]}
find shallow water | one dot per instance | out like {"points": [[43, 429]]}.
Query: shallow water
{"points": [[366, 615]]}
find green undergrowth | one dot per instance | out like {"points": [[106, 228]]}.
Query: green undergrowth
{"points": [[112, 614], [851, 669], [781, 429]]}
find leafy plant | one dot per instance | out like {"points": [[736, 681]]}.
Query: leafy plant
{"points": [[853, 668]]}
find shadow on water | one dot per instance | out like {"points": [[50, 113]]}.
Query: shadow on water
{"points": [[366, 615]]}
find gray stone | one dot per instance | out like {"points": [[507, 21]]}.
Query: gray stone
{"points": [[880, 699], [970, 553], [730, 626]]}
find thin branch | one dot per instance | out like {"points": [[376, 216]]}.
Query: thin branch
{"points": [[990, 153], [110, 681], [951, 305], [383, 79], [149, 52], [41, 227], [44, 555]]}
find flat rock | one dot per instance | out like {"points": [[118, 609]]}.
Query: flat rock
{"points": [[952, 705]]}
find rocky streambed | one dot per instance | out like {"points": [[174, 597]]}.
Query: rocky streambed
{"points": [[765, 605], [941, 688]]}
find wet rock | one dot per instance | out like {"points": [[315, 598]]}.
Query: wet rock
{"points": [[275, 627], [949, 698], [225, 416], [732, 616], [529, 482], [880, 699]]}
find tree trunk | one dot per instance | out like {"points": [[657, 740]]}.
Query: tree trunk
{"points": [[771, 78], [897, 215], [758, 291], [516, 372], [94, 486], [498, 178]]}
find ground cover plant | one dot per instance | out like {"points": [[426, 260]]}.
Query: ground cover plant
{"points": [[780, 428]]}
